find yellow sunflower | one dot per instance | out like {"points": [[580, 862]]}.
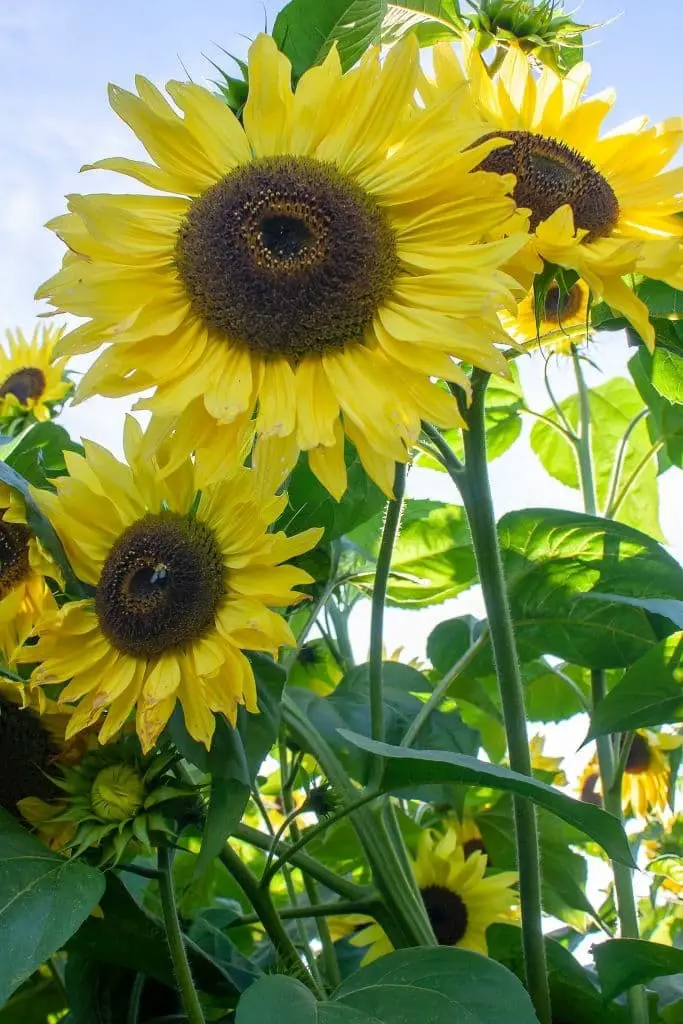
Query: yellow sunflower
{"points": [[460, 901], [564, 321], [24, 569], [540, 762], [183, 582], [31, 378], [645, 784], [604, 206], [318, 264]]}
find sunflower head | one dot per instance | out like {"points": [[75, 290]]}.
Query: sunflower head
{"points": [[32, 380], [28, 750], [645, 786], [184, 580], [116, 801], [564, 321]]}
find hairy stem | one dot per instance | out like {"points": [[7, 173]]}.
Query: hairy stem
{"points": [[176, 945], [583, 448], [476, 493]]}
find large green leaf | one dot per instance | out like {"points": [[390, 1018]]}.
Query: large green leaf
{"points": [[561, 565], [422, 767], [613, 405], [98, 993], [43, 900], [306, 29], [665, 422], [440, 984], [39, 456], [309, 504], [650, 692], [430, 20], [667, 359], [34, 1002], [622, 963], [433, 558]]}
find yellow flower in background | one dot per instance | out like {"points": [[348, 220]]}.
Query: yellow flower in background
{"points": [[183, 582], [565, 320], [540, 762], [320, 263], [460, 901], [24, 570], [604, 206], [31, 378], [645, 784]]}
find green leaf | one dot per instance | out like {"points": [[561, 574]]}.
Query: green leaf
{"points": [[98, 993], [622, 963], [39, 456], [667, 359], [306, 29], [650, 692], [433, 558], [665, 422], [422, 767], [309, 504], [34, 1001], [43, 900], [439, 984], [660, 298], [430, 20], [613, 405], [560, 564]]}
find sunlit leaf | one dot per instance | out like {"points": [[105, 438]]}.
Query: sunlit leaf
{"points": [[305, 29]]}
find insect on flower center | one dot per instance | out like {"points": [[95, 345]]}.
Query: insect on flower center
{"points": [[447, 913], [549, 175], [639, 757], [161, 585], [14, 557], [27, 383], [287, 256], [26, 751]]}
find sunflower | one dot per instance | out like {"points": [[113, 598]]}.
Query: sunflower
{"points": [[564, 320], [645, 783], [32, 380], [460, 901], [540, 762], [603, 206], [24, 569], [182, 582], [318, 264]]}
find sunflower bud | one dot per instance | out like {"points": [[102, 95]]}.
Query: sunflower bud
{"points": [[541, 29], [117, 793]]}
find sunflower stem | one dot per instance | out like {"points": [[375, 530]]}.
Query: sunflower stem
{"points": [[176, 944], [476, 494], [341, 632], [583, 445], [392, 523], [268, 916], [338, 908]]}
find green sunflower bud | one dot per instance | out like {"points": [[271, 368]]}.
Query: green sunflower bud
{"points": [[117, 793]]}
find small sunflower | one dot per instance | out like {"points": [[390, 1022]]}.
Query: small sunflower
{"points": [[470, 837], [461, 903], [645, 784], [318, 264], [24, 570], [32, 380], [564, 321], [183, 580], [603, 206], [30, 743], [540, 762]]}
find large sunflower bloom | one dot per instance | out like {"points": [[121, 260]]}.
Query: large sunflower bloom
{"points": [[319, 263], [24, 568], [31, 378], [183, 579], [603, 206], [460, 901]]}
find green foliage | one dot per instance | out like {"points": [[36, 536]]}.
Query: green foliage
{"points": [[306, 29], [622, 963], [43, 900], [407, 767], [430, 20], [39, 455], [410, 985]]}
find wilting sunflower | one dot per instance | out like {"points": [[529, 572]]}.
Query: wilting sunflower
{"points": [[24, 566], [319, 263], [564, 321], [645, 784], [182, 582], [460, 901], [604, 206], [31, 378]]}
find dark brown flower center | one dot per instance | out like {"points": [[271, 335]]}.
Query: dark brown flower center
{"points": [[14, 556], [287, 256], [588, 793], [550, 174], [560, 306], [24, 384], [447, 913], [161, 585], [474, 846], [26, 751], [639, 756]]}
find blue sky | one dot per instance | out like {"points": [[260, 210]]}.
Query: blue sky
{"points": [[55, 62]]}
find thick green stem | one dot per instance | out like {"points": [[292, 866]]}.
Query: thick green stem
{"points": [[341, 632], [392, 523], [268, 915], [176, 945], [583, 448], [476, 494]]}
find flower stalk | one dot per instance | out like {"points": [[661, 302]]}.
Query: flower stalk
{"points": [[176, 945]]}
